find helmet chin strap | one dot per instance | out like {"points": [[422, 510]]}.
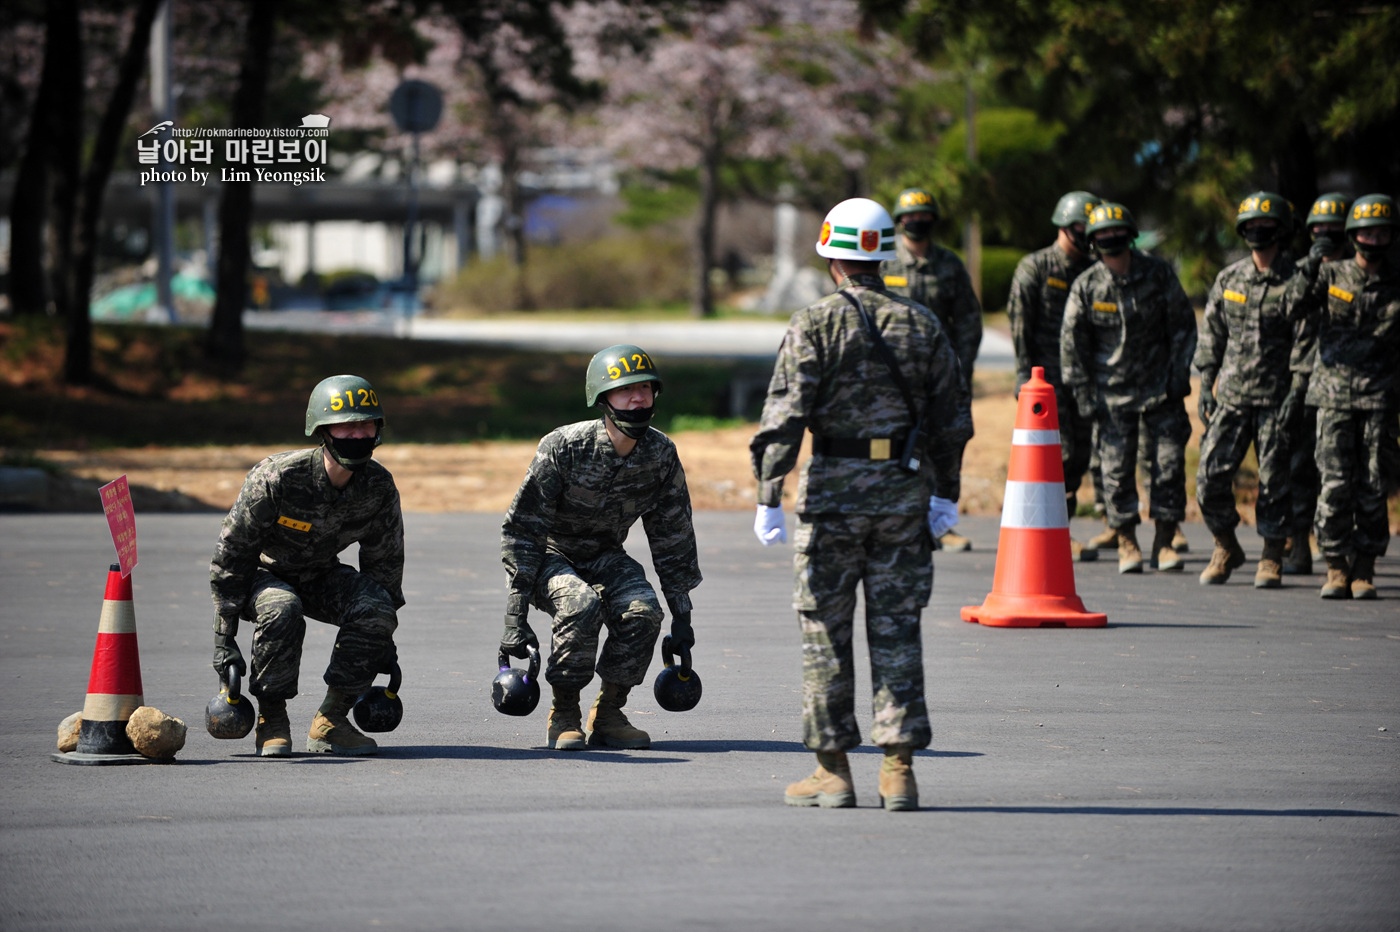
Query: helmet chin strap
{"points": [[635, 427]]}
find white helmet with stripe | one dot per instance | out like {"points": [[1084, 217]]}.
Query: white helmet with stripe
{"points": [[858, 229]]}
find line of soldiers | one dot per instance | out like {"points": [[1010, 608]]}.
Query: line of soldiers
{"points": [[1297, 358]]}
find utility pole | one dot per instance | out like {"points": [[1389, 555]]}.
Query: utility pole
{"points": [[972, 231], [163, 212]]}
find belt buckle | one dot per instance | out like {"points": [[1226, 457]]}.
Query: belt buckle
{"points": [[880, 448]]}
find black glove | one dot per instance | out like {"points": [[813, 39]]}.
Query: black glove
{"points": [[226, 653], [1292, 403], [1206, 403], [1316, 256], [682, 634], [518, 637]]}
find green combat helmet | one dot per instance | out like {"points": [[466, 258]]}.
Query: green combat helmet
{"points": [[1373, 210], [1264, 205], [1328, 208], [345, 399], [615, 367], [914, 201], [1073, 208], [1109, 216]]}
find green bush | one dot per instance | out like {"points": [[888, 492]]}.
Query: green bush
{"points": [[998, 267], [624, 271]]}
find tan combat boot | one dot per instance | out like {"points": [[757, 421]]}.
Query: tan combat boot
{"points": [[1337, 585], [1227, 556], [331, 731], [1106, 540], [1082, 553], [1164, 555], [898, 788], [1179, 542], [1297, 556], [565, 721], [608, 727], [1129, 553], [273, 737], [1269, 575], [830, 786], [1363, 569], [954, 543]]}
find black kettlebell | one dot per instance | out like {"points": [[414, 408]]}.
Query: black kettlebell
{"points": [[677, 688], [380, 708], [230, 714], [516, 692]]}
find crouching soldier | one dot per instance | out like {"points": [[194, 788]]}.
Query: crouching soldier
{"points": [[277, 562], [561, 543]]}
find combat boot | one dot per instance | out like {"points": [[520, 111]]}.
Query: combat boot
{"points": [[331, 731], [1179, 542], [1337, 585], [1297, 556], [1269, 575], [1164, 555], [1082, 553], [1129, 553], [273, 737], [1227, 556], [830, 786], [608, 727], [954, 543], [565, 721], [898, 788], [1363, 569], [1107, 540]]}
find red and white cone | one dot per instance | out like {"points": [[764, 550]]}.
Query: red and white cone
{"points": [[1034, 581], [114, 686]]}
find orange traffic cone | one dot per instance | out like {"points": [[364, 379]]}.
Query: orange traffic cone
{"points": [[114, 687], [1034, 581]]}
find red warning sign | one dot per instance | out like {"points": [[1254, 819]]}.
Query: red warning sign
{"points": [[121, 518]]}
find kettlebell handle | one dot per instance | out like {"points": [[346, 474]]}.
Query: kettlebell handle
{"points": [[395, 680], [235, 685], [533, 652], [668, 655]]}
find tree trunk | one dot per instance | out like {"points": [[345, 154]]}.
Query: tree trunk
{"points": [[29, 202], [702, 303], [99, 170], [65, 140], [225, 340]]}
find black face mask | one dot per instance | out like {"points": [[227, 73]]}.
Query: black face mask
{"points": [[1371, 252], [632, 423], [1114, 245], [918, 230], [352, 452], [1079, 239], [1261, 237]]}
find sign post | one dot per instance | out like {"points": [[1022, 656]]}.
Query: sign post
{"points": [[416, 107], [121, 519]]}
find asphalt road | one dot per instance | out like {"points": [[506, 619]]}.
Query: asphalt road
{"points": [[1214, 759]]}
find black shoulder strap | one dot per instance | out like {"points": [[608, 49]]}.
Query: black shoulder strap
{"points": [[884, 350]]}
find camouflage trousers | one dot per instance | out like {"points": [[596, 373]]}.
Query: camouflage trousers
{"points": [[1076, 442], [891, 555], [1169, 428], [1351, 516], [341, 596], [1223, 448], [1303, 477], [611, 590]]}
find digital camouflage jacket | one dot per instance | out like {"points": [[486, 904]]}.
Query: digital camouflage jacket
{"points": [[1036, 309], [1246, 336], [940, 282]]}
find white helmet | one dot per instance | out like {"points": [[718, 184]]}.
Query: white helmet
{"points": [[858, 229]]}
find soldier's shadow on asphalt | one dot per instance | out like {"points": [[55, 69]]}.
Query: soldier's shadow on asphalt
{"points": [[725, 746]]}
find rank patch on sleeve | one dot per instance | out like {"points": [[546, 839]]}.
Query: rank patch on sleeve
{"points": [[1057, 283], [896, 281], [1107, 307], [1234, 296], [294, 524], [1336, 292]]}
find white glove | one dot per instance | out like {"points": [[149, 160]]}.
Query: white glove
{"points": [[769, 526], [942, 515]]}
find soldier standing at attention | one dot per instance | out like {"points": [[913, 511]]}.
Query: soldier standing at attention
{"points": [[1243, 357], [277, 562], [1326, 229], [561, 543], [1352, 314], [1036, 309], [870, 501], [936, 278], [1125, 354]]}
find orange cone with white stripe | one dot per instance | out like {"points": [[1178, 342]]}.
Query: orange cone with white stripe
{"points": [[1034, 581], [114, 686]]}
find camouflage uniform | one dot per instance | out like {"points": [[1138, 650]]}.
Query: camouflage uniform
{"points": [[1125, 355], [1352, 326], [1245, 344], [939, 281], [1036, 309], [561, 543], [277, 562], [861, 519]]}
